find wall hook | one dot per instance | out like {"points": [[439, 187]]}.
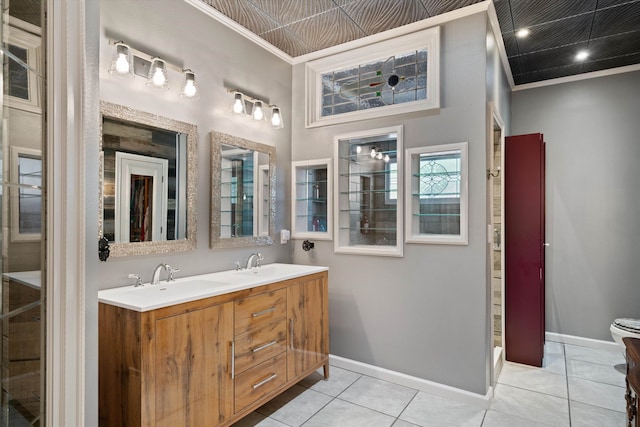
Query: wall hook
{"points": [[495, 173]]}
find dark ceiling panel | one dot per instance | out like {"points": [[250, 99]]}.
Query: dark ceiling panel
{"points": [[503, 10], [610, 29], [327, 29], [550, 58], [527, 12], [287, 42], [557, 33], [438, 7], [374, 16], [620, 19], [287, 11]]}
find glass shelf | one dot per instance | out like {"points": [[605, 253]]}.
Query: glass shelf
{"points": [[312, 199], [369, 203]]}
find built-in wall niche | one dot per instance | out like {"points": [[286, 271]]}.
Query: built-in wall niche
{"points": [[312, 199], [368, 199], [436, 203]]}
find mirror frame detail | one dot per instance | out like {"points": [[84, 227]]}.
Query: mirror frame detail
{"points": [[219, 139], [128, 114]]}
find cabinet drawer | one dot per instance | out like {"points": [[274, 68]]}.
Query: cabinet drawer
{"points": [[260, 344], [259, 381], [257, 311]]}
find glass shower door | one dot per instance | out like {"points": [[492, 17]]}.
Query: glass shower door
{"points": [[22, 314]]}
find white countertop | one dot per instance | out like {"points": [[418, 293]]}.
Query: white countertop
{"points": [[33, 279], [186, 289]]}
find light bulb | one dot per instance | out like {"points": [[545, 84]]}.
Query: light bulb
{"points": [[257, 111], [522, 33], [379, 155], [275, 119], [158, 74], [238, 104], [122, 64], [358, 149], [122, 61], [373, 153], [158, 77], [190, 88], [386, 158], [582, 55]]}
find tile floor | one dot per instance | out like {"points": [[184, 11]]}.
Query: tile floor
{"points": [[578, 386]]}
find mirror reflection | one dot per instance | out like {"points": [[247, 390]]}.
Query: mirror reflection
{"points": [[243, 174], [148, 169]]}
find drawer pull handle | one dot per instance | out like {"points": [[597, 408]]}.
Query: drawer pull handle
{"points": [[264, 381], [262, 347], [291, 333], [233, 359], [260, 313]]}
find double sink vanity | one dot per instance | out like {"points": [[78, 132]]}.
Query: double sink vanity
{"points": [[209, 349]]}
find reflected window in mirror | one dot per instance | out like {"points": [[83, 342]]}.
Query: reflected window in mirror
{"points": [[148, 182], [242, 192]]}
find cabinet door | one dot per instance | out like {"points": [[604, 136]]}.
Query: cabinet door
{"points": [[193, 378], [308, 317]]}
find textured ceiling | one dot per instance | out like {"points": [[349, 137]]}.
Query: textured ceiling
{"points": [[608, 29]]}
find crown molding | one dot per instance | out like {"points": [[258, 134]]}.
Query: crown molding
{"points": [[578, 77]]}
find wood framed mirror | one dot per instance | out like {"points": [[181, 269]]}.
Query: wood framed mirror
{"points": [[148, 170]]}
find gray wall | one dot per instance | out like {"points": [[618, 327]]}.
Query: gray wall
{"points": [[424, 314], [221, 59], [591, 128]]}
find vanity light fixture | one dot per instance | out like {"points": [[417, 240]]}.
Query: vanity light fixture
{"points": [[378, 155], [122, 62], [256, 110], [129, 62]]}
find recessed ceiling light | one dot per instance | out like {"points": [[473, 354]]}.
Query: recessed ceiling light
{"points": [[582, 55], [522, 33]]}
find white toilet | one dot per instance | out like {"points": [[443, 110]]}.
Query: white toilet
{"points": [[623, 327]]}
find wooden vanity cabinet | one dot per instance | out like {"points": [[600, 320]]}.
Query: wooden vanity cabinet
{"points": [[211, 361]]}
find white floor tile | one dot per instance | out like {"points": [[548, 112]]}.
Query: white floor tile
{"points": [[295, 406], [554, 363], [593, 355], [255, 419], [534, 379], [339, 380], [430, 410], [531, 405], [499, 419], [597, 394], [403, 423], [583, 415], [345, 414], [553, 348], [595, 372], [379, 395]]}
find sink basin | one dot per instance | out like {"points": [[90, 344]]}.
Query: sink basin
{"points": [[151, 297]]}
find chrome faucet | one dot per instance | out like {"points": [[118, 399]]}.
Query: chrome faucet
{"points": [[155, 279], [138, 279], [257, 256]]}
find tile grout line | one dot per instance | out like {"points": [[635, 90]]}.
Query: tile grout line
{"points": [[566, 377]]}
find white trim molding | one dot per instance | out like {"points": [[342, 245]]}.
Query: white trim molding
{"points": [[578, 77], [584, 342], [442, 390]]}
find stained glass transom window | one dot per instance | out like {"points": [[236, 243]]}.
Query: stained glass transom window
{"points": [[394, 80]]}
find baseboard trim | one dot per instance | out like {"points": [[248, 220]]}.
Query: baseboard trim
{"points": [[585, 342], [464, 396]]}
